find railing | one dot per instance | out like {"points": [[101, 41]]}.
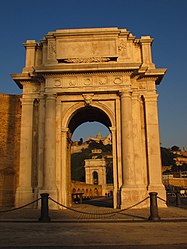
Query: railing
{"points": [[45, 198]]}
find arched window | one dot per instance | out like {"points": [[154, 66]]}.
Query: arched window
{"points": [[95, 178]]}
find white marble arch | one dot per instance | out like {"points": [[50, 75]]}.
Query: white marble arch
{"points": [[100, 74]]}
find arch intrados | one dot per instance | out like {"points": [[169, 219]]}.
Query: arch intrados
{"points": [[88, 114]]}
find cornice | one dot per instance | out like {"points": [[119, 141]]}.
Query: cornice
{"points": [[97, 67]]}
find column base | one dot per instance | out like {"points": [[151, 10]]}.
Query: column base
{"points": [[23, 197], [53, 193], [130, 196], [160, 189]]}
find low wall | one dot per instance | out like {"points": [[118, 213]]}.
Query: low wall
{"points": [[178, 182], [89, 190]]}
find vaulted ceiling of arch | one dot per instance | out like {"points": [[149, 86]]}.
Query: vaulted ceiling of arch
{"points": [[88, 114]]}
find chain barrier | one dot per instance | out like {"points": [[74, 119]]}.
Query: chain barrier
{"points": [[45, 217], [172, 201], [162, 199], [103, 213], [14, 209]]}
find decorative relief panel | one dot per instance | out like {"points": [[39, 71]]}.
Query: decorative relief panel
{"points": [[51, 50], [118, 80], [122, 46], [57, 82], [72, 81], [53, 82], [87, 81], [102, 80]]}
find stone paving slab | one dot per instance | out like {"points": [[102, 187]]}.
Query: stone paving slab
{"points": [[157, 235]]}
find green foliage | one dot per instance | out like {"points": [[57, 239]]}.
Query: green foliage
{"points": [[77, 161], [167, 157], [77, 165], [175, 148]]}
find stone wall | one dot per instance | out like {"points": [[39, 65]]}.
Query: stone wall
{"points": [[10, 122]]}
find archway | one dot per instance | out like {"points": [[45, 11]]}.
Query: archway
{"points": [[103, 81], [95, 177], [96, 149]]}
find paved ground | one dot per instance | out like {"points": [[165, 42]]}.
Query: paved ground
{"points": [[93, 235], [72, 229]]}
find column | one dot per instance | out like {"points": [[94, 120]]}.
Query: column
{"points": [[49, 175], [127, 140], [140, 166], [58, 147], [41, 129], [64, 185], [118, 142], [115, 169], [24, 193], [153, 146], [153, 140]]}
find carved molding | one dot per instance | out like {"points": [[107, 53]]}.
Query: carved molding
{"points": [[87, 60]]}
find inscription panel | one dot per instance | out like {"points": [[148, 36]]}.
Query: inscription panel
{"points": [[86, 48]]}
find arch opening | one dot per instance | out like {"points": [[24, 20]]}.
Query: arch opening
{"points": [[95, 178], [88, 114], [93, 151]]}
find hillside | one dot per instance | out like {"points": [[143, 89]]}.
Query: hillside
{"points": [[77, 160]]}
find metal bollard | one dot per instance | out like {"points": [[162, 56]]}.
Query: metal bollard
{"points": [[44, 208], [153, 207]]}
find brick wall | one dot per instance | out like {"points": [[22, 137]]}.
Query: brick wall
{"points": [[10, 122]]}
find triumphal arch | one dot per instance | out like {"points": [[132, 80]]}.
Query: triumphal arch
{"points": [[96, 74]]}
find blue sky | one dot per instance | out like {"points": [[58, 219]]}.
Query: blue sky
{"points": [[163, 20]]}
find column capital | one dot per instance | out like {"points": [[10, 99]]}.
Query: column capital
{"points": [[27, 101], [50, 96], [124, 94], [136, 95], [150, 97], [64, 130]]}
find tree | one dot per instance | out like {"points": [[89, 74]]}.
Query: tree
{"points": [[175, 148], [167, 157]]}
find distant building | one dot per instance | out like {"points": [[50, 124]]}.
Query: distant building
{"points": [[77, 147]]}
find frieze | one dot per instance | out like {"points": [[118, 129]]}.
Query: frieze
{"points": [[100, 81], [87, 60]]}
